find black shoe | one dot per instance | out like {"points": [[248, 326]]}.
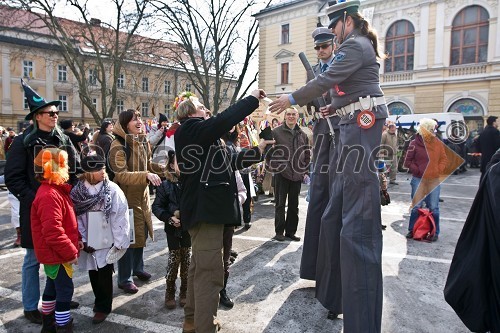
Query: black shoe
{"points": [[384, 227], [435, 238], [393, 182], [247, 225], [279, 238], [234, 253], [409, 234], [74, 305], [33, 316], [225, 300], [293, 237], [441, 200], [331, 315]]}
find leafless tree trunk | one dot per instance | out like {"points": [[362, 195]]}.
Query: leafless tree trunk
{"points": [[93, 45], [218, 39]]}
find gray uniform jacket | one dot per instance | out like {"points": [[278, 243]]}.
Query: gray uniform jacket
{"points": [[355, 71], [333, 120]]}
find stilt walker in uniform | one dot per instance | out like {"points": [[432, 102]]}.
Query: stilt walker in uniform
{"points": [[358, 101], [324, 158]]}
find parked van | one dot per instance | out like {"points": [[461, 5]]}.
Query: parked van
{"points": [[450, 123]]}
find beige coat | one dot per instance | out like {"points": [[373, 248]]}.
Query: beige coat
{"points": [[131, 176], [390, 142]]}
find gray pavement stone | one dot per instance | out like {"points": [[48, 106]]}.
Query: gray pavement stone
{"points": [[264, 283]]}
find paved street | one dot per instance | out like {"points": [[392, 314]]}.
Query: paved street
{"points": [[264, 283]]}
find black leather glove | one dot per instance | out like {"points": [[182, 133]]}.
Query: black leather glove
{"points": [[88, 249]]}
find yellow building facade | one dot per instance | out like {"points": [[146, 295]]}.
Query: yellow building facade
{"points": [[443, 55], [35, 58]]}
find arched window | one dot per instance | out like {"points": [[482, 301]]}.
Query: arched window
{"points": [[398, 108], [399, 45], [469, 36], [468, 107]]}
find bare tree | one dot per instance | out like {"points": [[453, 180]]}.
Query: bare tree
{"points": [[218, 39], [94, 51]]}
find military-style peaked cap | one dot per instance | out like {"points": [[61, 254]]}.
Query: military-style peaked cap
{"points": [[337, 8]]}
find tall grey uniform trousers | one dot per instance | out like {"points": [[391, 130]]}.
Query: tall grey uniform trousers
{"points": [[358, 252], [324, 161]]}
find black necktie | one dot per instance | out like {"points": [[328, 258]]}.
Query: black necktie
{"points": [[324, 67]]}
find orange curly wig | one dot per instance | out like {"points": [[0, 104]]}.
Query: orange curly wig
{"points": [[54, 163]]}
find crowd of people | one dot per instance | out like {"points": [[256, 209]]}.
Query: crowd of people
{"points": [[202, 169]]}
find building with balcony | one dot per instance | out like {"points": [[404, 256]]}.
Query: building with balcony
{"points": [[442, 55]]}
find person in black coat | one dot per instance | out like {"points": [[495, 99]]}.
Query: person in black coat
{"points": [[473, 284], [104, 139], [488, 142], [209, 199], [20, 180], [76, 139], [166, 208]]}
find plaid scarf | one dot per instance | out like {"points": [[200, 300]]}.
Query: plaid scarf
{"points": [[84, 201]]}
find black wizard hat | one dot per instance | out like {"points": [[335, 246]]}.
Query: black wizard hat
{"points": [[35, 101]]}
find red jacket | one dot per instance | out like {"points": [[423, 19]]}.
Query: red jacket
{"points": [[53, 225], [429, 157]]}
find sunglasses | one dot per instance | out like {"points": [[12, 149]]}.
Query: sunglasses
{"points": [[52, 114], [323, 47]]}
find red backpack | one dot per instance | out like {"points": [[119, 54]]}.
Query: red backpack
{"points": [[425, 227]]}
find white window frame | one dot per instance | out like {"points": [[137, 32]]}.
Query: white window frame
{"points": [[93, 77], [62, 73], [120, 82], [168, 87], [26, 106], [120, 106], [94, 102], [63, 107], [289, 34], [28, 69], [145, 109], [145, 84]]}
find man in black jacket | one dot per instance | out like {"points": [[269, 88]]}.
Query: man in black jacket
{"points": [[488, 142], [68, 127], [209, 200], [20, 180]]}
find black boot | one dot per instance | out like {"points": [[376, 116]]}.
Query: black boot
{"points": [[224, 299], [68, 328], [49, 323]]}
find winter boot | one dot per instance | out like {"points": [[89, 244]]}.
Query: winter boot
{"points": [[68, 328], [224, 299], [48, 323], [174, 258], [170, 295], [17, 242], [185, 262]]}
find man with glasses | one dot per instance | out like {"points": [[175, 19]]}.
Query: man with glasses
{"points": [[324, 160], [289, 160], [20, 180]]}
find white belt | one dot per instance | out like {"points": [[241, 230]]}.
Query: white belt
{"points": [[365, 103]]}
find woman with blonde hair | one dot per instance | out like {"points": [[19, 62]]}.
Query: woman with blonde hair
{"points": [[426, 160]]}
